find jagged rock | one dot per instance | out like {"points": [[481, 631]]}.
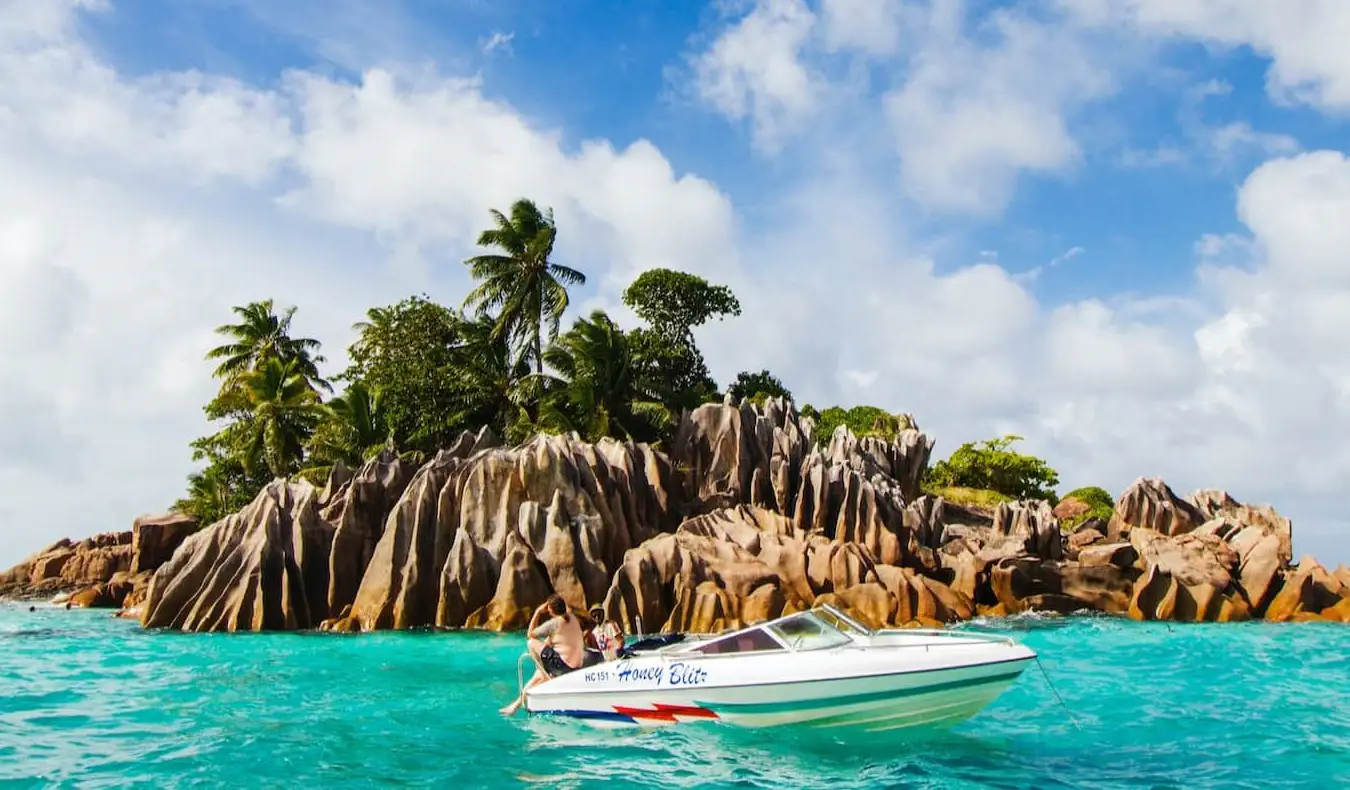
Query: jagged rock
{"points": [[1150, 504], [1218, 504], [1035, 523], [1186, 578], [1081, 540], [1309, 591], [357, 511], [1121, 555], [553, 515], [264, 568], [1069, 507], [154, 539]]}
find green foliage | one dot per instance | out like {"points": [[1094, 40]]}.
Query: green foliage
{"points": [[409, 353], [758, 387], [598, 390], [269, 404], [810, 411], [261, 335], [991, 465], [520, 285], [861, 420], [969, 497], [673, 304], [1100, 505], [354, 428]]}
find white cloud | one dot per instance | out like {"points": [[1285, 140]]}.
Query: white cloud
{"points": [[1305, 39], [120, 251], [970, 102], [498, 40], [754, 70], [872, 26], [124, 241]]}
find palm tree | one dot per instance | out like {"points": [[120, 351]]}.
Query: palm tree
{"points": [[378, 319], [355, 427], [599, 390], [262, 335], [489, 384], [526, 289], [284, 410]]}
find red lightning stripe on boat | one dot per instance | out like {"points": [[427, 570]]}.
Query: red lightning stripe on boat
{"points": [[660, 712]]}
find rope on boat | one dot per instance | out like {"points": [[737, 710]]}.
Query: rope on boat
{"points": [[1046, 675]]}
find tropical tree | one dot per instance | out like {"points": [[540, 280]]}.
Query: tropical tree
{"points": [[488, 384], [409, 353], [354, 427], [283, 412], [527, 291], [598, 390], [673, 303], [261, 335], [758, 386]]}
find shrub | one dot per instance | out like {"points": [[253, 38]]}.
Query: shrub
{"points": [[991, 465]]}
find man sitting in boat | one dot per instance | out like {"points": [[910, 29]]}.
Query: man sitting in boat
{"points": [[607, 634], [557, 645]]}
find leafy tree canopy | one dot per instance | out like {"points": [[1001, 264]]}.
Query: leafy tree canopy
{"points": [[598, 390], [408, 353], [673, 303], [525, 290], [861, 420], [991, 465], [758, 387]]}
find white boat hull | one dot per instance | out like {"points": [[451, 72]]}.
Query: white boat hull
{"points": [[893, 680]]}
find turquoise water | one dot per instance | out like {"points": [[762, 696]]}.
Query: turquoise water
{"points": [[90, 701]]}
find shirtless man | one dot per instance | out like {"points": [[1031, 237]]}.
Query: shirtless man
{"points": [[557, 645]]}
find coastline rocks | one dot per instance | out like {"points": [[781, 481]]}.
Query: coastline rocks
{"points": [[747, 519], [154, 539], [1151, 504], [264, 568], [553, 515]]}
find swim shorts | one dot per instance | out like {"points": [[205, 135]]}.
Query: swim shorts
{"points": [[555, 666], [553, 663]]}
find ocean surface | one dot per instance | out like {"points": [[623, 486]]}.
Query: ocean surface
{"points": [[90, 701]]}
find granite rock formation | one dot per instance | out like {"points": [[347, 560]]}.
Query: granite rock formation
{"points": [[746, 518]]}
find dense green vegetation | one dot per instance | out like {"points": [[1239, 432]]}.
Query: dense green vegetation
{"points": [[992, 466], [861, 420], [421, 372], [1100, 505]]}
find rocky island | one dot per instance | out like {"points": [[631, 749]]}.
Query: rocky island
{"points": [[745, 519], [396, 505]]}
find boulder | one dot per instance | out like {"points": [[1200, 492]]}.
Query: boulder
{"points": [[264, 568], [155, 537], [1149, 503], [1308, 590]]}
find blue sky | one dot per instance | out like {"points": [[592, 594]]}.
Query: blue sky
{"points": [[1109, 227]]}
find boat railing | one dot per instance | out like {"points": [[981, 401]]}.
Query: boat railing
{"points": [[947, 632]]}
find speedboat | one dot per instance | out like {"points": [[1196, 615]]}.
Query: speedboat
{"points": [[819, 668]]}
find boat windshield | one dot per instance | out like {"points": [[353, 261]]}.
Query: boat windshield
{"points": [[807, 631], [841, 621], [748, 641]]}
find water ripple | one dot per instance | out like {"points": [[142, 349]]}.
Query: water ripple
{"points": [[86, 699]]}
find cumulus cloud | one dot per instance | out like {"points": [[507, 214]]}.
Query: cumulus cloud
{"points": [[755, 70], [120, 251]]}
